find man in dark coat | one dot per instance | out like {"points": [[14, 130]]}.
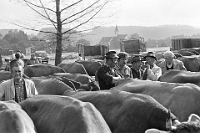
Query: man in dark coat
{"points": [[107, 75], [137, 72]]}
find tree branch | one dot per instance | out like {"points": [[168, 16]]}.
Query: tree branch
{"points": [[53, 23], [70, 6], [33, 29], [79, 17], [87, 20], [80, 11], [29, 5], [39, 6]]}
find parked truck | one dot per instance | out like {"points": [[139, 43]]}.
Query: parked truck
{"points": [[184, 43], [133, 46]]}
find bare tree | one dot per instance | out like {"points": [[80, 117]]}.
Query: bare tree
{"points": [[73, 14]]}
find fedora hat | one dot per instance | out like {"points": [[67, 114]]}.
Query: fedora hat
{"points": [[111, 55], [136, 58], [150, 54]]}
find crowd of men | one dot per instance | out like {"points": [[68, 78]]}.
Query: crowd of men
{"points": [[115, 68]]}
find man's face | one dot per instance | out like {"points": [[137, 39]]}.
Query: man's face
{"points": [[137, 65], [17, 72], [113, 62], [168, 60], [122, 61], [150, 61]]}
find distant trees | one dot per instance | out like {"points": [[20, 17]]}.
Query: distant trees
{"points": [[15, 36], [158, 43], [15, 40], [84, 42]]}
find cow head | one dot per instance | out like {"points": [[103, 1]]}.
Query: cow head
{"points": [[190, 126], [169, 124]]}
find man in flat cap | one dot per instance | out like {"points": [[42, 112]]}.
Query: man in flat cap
{"points": [[137, 71], [107, 75], [171, 63], [122, 68]]}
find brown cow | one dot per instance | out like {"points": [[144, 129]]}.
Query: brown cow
{"points": [[82, 78], [53, 86], [73, 67], [62, 114], [86, 81], [13, 119], [125, 112], [177, 76], [90, 66], [38, 70], [181, 99], [184, 52], [191, 63]]}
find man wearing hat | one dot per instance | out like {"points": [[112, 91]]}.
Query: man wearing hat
{"points": [[137, 72], [152, 71], [107, 75], [171, 63]]}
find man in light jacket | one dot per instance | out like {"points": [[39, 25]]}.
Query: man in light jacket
{"points": [[17, 88], [171, 63]]}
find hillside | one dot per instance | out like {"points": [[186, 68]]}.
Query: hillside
{"points": [[157, 32]]}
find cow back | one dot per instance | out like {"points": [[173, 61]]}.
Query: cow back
{"points": [[14, 119], [126, 112], [73, 67], [56, 114], [90, 66], [38, 70], [71, 83], [191, 63], [177, 76], [51, 86], [81, 78], [180, 98]]}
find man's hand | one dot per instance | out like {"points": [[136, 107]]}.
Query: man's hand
{"points": [[147, 66], [115, 79]]}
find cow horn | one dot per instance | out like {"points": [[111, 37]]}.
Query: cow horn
{"points": [[169, 125]]}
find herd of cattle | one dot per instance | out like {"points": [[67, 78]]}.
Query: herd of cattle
{"points": [[70, 101]]}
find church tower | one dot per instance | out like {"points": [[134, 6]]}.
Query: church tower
{"points": [[116, 31]]}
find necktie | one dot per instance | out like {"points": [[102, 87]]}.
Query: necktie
{"points": [[145, 75]]}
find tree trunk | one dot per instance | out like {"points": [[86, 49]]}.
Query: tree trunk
{"points": [[58, 35]]}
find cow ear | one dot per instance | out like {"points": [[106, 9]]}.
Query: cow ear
{"points": [[194, 118]]}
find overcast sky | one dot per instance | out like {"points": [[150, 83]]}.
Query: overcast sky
{"points": [[129, 12]]}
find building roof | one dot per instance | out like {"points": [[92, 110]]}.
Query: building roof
{"points": [[113, 42], [105, 40], [121, 36]]}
